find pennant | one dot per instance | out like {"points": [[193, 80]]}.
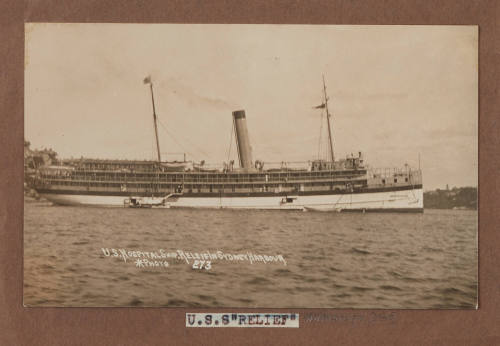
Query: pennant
{"points": [[147, 80]]}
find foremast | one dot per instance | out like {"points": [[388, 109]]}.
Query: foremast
{"points": [[147, 80]]}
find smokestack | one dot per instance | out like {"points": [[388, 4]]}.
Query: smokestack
{"points": [[242, 139]]}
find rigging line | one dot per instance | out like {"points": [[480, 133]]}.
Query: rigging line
{"points": [[320, 133], [230, 142], [188, 141], [180, 145], [152, 147], [153, 150], [175, 140]]}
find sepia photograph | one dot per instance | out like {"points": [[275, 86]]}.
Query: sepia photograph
{"points": [[251, 166]]}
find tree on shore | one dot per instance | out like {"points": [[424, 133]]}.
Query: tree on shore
{"points": [[457, 197]]}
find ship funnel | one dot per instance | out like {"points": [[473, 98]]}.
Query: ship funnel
{"points": [[242, 139]]}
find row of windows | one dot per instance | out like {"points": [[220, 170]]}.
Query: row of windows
{"points": [[199, 187], [179, 180], [216, 176], [396, 180]]}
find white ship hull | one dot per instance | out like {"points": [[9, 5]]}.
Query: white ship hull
{"points": [[405, 200]]}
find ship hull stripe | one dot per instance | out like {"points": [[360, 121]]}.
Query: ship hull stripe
{"points": [[232, 194], [408, 200]]}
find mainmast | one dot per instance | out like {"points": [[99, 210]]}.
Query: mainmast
{"points": [[332, 157], [147, 80]]}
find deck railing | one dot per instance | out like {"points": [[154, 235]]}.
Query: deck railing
{"points": [[201, 178]]}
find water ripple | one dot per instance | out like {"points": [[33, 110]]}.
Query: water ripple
{"points": [[333, 260]]}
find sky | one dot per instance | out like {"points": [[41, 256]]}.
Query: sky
{"points": [[396, 93]]}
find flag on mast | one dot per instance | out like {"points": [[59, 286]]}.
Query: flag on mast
{"points": [[147, 80], [323, 105]]}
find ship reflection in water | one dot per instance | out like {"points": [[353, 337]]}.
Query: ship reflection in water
{"points": [[333, 260]]}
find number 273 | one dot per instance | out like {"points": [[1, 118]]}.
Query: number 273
{"points": [[202, 264]]}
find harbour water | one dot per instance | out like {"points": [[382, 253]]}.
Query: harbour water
{"points": [[333, 260]]}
